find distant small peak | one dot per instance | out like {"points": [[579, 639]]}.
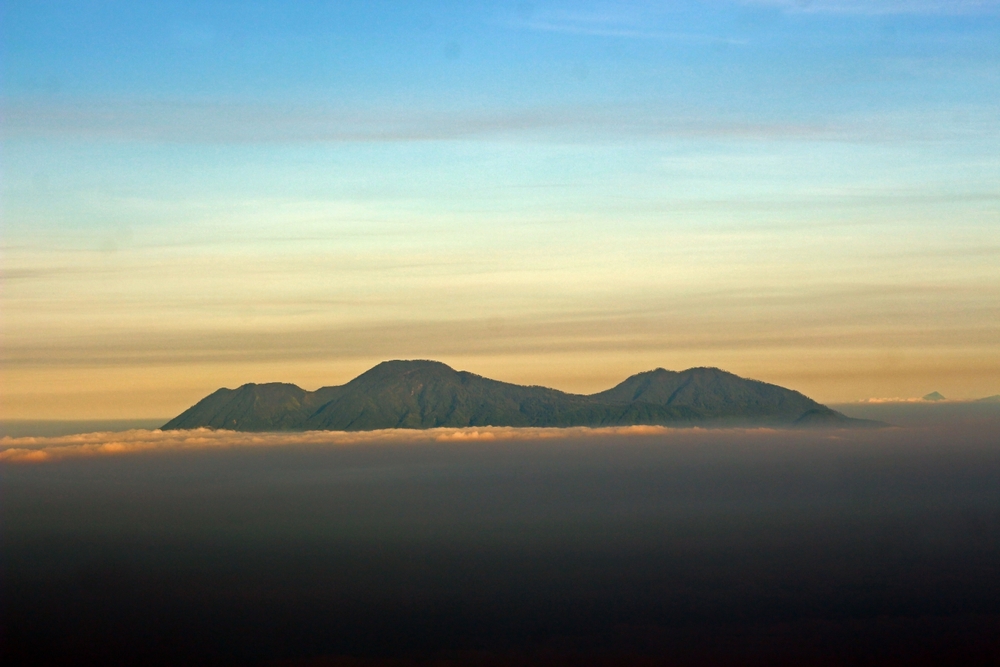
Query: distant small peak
{"points": [[934, 396]]}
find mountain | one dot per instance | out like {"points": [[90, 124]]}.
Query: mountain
{"points": [[934, 396], [429, 394], [989, 399]]}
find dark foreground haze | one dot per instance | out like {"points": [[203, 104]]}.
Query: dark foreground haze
{"points": [[688, 547]]}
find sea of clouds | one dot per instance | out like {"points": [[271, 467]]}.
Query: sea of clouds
{"points": [[39, 449]]}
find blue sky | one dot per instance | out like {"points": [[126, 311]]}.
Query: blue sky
{"points": [[766, 62], [199, 194]]}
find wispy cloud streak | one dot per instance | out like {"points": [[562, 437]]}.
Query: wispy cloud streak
{"points": [[618, 20], [248, 123], [883, 7], [160, 121]]}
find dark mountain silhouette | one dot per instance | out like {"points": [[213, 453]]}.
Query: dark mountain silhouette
{"points": [[428, 394], [934, 396]]}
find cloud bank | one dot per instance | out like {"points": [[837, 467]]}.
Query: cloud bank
{"points": [[894, 400], [57, 448]]}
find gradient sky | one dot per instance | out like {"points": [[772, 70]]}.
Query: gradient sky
{"points": [[198, 195]]}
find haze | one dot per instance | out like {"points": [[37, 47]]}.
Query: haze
{"points": [[197, 195]]}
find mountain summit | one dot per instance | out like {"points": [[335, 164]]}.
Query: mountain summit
{"points": [[429, 394]]}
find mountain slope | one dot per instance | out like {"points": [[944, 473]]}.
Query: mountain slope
{"points": [[276, 406], [428, 394], [713, 393]]}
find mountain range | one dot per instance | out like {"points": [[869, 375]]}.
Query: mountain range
{"points": [[429, 394]]}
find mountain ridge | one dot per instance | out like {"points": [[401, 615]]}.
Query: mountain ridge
{"points": [[422, 394]]}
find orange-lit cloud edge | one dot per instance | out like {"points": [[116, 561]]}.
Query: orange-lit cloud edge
{"points": [[101, 444]]}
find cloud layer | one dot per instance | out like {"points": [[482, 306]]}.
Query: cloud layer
{"points": [[48, 449], [41, 449]]}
